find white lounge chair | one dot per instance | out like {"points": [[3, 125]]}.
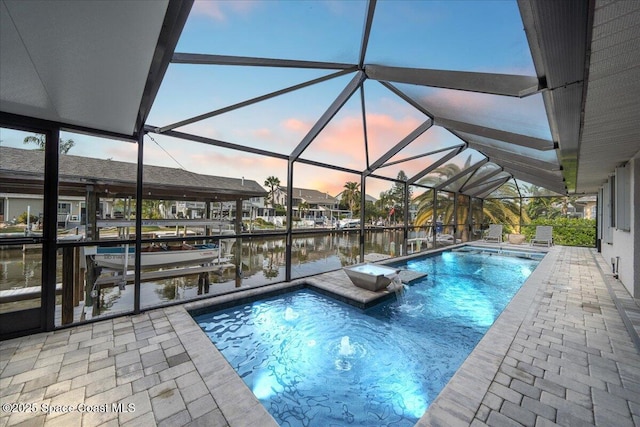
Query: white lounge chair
{"points": [[544, 234], [494, 233]]}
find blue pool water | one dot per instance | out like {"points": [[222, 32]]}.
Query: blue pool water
{"points": [[314, 361]]}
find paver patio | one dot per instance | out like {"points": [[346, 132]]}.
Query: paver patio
{"points": [[562, 353]]}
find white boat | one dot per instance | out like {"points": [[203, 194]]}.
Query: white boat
{"points": [[349, 223], [156, 256]]}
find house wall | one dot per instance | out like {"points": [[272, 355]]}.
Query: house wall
{"points": [[16, 205], [626, 244]]}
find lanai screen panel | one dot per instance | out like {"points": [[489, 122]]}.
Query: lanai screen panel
{"points": [[502, 149], [409, 168], [389, 120], [525, 116], [276, 124], [434, 139], [341, 142], [486, 188], [371, 127], [480, 175], [452, 169], [447, 35], [279, 29], [195, 91]]}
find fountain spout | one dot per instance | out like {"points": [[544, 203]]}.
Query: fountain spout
{"points": [[346, 349]]}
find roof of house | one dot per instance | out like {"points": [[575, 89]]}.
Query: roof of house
{"points": [[23, 168], [311, 196], [367, 197]]}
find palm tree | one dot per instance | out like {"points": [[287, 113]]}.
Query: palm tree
{"points": [[498, 211], [351, 195], [40, 141], [505, 210], [273, 183], [303, 207]]}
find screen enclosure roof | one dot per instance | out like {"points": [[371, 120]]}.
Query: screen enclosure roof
{"points": [[550, 99]]}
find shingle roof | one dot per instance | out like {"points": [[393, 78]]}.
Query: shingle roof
{"points": [[311, 196], [75, 169]]}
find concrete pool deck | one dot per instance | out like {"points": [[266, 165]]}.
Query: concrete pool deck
{"points": [[564, 352]]}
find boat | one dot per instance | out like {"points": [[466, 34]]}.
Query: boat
{"points": [[349, 223], [156, 256]]}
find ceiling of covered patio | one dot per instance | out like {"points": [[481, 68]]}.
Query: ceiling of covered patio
{"points": [[553, 104]]}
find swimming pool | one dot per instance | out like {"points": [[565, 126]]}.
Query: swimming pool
{"points": [[314, 361]]}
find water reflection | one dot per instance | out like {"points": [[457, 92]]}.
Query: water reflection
{"points": [[262, 261]]}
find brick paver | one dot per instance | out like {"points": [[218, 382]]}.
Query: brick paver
{"points": [[560, 354], [571, 348]]}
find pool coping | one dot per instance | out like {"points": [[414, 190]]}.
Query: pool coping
{"points": [[459, 401], [456, 404]]}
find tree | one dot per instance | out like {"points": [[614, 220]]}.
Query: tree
{"points": [[497, 211], [151, 209], [303, 208], [396, 195], [351, 195], [541, 205], [40, 141], [272, 182]]}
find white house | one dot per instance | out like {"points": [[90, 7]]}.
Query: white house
{"points": [[319, 205]]}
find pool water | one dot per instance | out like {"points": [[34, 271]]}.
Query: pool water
{"points": [[314, 361]]}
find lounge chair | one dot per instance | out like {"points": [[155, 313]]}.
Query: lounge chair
{"points": [[494, 233], [544, 234]]}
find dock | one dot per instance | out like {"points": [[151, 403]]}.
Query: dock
{"points": [[23, 294], [146, 276]]}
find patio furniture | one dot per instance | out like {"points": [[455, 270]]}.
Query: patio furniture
{"points": [[544, 234], [494, 233]]}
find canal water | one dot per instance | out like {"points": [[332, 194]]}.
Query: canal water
{"points": [[262, 261]]}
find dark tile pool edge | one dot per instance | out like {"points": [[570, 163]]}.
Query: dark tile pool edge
{"points": [[460, 400]]}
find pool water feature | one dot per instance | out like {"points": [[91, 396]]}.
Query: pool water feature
{"points": [[314, 361]]}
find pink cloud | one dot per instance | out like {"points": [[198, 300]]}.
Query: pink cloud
{"points": [[342, 141], [262, 133], [220, 10], [296, 125]]}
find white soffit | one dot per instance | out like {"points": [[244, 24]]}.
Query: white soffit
{"points": [[611, 133], [80, 63]]}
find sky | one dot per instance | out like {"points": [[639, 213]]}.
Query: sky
{"points": [[474, 35]]}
